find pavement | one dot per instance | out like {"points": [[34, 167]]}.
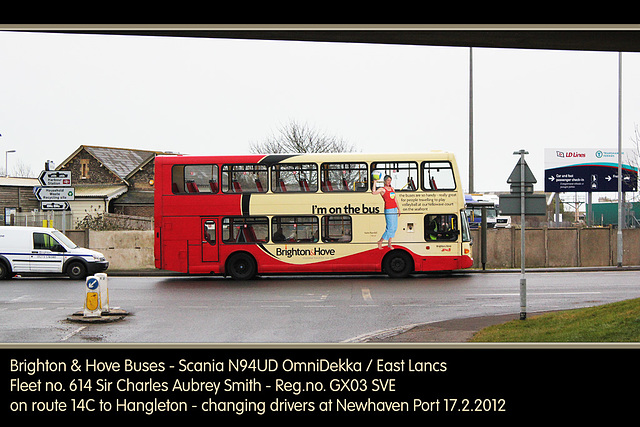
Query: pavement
{"points": [[446, 331]]}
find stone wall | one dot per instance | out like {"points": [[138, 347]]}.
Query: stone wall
{"points": [[125, 250], [557, 247]]}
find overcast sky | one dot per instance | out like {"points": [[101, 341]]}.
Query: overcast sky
{"points": [[212, 96]]}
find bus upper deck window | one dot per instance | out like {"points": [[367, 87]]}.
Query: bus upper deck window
{"points": [[194, 179], [245, 178], [438, 175], [344, 177], [404, 174]]}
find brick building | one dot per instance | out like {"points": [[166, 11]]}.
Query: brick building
{"points": [[113, 180]]}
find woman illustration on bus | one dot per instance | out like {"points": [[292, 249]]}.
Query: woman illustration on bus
{"points": [[391, 210]]}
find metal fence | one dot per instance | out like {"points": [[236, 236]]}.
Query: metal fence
{"points": [[63, 221], [60, 220]]}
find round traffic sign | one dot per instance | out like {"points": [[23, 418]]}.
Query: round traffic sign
{"points": [[92, 283]]}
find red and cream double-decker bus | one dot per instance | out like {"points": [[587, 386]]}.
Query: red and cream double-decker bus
{"points": [[249, 215]]}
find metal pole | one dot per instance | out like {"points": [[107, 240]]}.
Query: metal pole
{"points": [[483, 234], [471, 189], [620, 205], [523, 280], [590, 209], [6, 162]]}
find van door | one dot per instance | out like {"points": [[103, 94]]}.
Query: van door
{"points": [[47, 254], [210, 239]]}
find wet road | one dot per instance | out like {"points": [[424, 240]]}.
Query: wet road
{"points": [[317, 309]]}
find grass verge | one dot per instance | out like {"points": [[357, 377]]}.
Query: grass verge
{"points": [[615, 322]]}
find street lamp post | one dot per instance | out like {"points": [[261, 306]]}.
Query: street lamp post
{"points": [[6, 155]]}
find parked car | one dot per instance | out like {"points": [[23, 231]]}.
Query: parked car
{"points": [[41, 250]]}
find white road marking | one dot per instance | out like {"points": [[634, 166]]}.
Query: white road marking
{"points": [[66, 337]]}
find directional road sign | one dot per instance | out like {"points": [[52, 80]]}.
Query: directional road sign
{"points": [[587, 170], [55, 178], [54, 206], [54, 193]]}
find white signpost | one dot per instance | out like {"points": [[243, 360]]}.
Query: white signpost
{"points": [[55, 192]]}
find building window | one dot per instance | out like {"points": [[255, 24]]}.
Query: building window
{"points": [[9, 216], [84, 168]]}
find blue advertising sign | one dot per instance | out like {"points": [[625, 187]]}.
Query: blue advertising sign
{"points": [[587, 170]]}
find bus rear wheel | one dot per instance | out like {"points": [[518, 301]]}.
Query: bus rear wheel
{"points": [[397, 264], [242, 267]]}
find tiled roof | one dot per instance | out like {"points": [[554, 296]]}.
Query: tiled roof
{"points": [[121, 161]]}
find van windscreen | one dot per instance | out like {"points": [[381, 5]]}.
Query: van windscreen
{"points": [[64, 239]]}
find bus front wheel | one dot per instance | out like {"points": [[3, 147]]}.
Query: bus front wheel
{"points": [[398, 264], [242, 267]]}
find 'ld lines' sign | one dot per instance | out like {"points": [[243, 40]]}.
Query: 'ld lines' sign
{"points": [[587, 170]]}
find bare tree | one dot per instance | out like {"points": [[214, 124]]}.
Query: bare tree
{"points": [[22, 170], [632, 158], [295, 137], [19, 170]]}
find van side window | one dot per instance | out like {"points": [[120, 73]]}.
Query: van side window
{"points": [[45, 241]]}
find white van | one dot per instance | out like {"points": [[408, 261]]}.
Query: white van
{"points": [[40, 250]]}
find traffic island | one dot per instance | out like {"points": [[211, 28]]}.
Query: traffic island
{"points": [[113, 315], [96, 303]]}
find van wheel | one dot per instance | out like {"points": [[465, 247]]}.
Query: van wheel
{"points": [[242, 267], [5, 272], [397, 264], [77, 270]]}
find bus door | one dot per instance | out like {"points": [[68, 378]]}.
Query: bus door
{"points": [[210, 239], [466, 233]]}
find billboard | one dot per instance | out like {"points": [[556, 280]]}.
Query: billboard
{"points": [[588, 170]]}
